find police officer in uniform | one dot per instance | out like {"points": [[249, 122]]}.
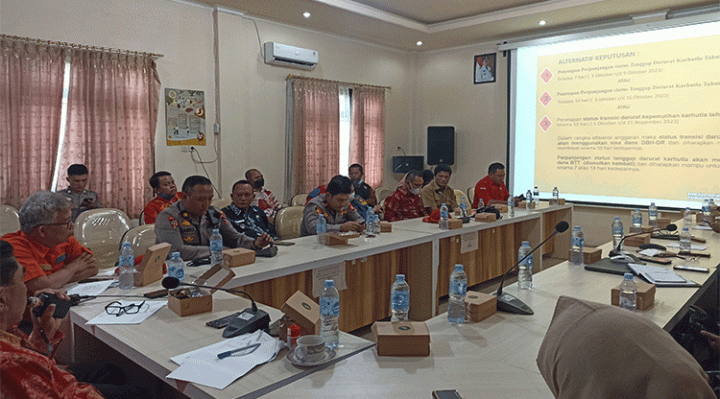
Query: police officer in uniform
{"points": [[188, 224]]}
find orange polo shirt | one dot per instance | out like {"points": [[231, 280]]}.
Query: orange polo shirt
{"points": [[38, 259]]}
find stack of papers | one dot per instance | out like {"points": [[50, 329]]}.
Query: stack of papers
{"points": [[203, 367], [660, 276]]}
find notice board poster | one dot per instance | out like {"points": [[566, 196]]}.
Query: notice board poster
{"points": [[185, 117]]}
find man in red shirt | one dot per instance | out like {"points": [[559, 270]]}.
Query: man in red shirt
{"points": [[164, 187], [45, 245], [491, 188], [405, 202]]}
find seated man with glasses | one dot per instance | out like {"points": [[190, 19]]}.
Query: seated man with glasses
{"points": [[45, 245]]}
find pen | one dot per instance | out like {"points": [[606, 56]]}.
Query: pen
{"points": [[223, 355]]}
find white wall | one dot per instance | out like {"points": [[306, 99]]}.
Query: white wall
{"points": [[252, 93], [180, 32], [446, 95]]}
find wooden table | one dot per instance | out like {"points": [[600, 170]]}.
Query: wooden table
{"points": [[165, 335], [494, 358], [421, 251]]}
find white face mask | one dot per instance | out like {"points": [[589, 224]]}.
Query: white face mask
{"points": [[415, 191]]}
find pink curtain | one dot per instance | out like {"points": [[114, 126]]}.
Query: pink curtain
{"points": [[112, 116], [30, 112], [316, 125], [367, 139]]}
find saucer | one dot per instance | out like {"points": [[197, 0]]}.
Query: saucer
{"points": [[327, 356]]}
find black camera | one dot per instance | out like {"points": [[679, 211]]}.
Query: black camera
{"points": [[61, 306]]}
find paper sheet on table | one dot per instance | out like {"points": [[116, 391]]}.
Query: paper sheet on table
{"points": [[650, 252], [693, 247], [702, 227], [334, 272], [91, 289], [203, 367], [148, 309]]}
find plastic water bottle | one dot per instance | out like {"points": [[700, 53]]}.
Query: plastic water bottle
{"points": [[321, 228], [481, 203], [458, 289], [712, 204], [706, 210], [376, 224], [216, 248], [685, 244], [525, 267], [399, 299], [444, 217], [617, 232], [536, 195], [628, 293], [369, 225], [556, 195], [528, 196], [652, 215], [127, 267], [687, 217], [636, 221], [576, 249], [511, 206], [176, 266], [329, 314]]}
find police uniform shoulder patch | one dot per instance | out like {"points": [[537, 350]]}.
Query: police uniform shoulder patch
{"points": [[173, 222]]}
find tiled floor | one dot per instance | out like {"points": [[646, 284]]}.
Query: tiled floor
{"points": [[487, 287]]}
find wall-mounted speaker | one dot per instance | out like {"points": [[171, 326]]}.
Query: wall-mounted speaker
{"points": [[441, 145]]}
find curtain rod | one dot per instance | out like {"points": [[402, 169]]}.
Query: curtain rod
{"points": [[81, 46], [337, 81]]}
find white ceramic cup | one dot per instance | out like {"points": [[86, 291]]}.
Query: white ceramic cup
{"points": [[310, 348]]}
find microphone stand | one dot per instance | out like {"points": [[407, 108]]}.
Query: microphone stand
{"points": [[618, 251], [250, 320], [510, 303]]}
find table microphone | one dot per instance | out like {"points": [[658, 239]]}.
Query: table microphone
{"points": [[511, 304], [250, 320], [618, 251]]}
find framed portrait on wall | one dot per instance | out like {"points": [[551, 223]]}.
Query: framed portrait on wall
{"points": [[484, 68]]}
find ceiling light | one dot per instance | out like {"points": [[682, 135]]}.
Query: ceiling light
{"points": [[419, 43], [306, 14], [542, 22]]}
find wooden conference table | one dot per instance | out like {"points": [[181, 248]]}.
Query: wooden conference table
{"points": [[494, 358], [421, 251]]}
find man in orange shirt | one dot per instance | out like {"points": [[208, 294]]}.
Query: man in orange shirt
{"points": [[45, 245], [491, 188], [164, 187]]}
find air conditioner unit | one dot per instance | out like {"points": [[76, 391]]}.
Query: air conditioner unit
{"points": [[284, 55]]}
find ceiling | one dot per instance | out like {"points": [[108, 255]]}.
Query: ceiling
{"points": [[449, 23]]}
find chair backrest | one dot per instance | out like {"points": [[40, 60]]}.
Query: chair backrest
{"points": [[9, 220], [471, 194], [461, 198], [288, 222], [382, 192], [220, 203], [299, 200], [101, 230], [141, 238]]}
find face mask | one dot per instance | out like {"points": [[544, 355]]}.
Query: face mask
{"points": [[167, 196], [259, 183], [351, 197], [415, 191]]}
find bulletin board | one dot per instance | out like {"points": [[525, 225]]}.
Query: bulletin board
{"points": [[185, 117]]}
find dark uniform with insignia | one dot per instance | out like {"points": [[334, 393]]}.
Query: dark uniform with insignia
{"points": [[191, 236]]}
